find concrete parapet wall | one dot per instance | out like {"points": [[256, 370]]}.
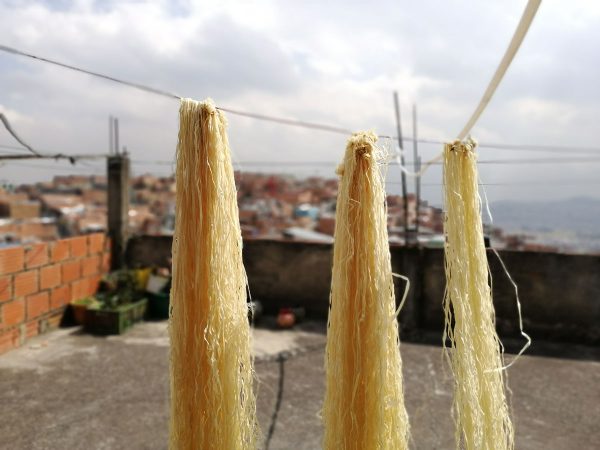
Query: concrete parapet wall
{"points": [[560, 294]]}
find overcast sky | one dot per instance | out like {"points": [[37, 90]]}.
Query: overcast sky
{"points": [[335, 62]]}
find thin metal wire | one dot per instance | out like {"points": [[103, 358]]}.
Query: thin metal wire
{"points": [[515, 161], [15, 135], [56, 156], [142, 87], [288, 121]]}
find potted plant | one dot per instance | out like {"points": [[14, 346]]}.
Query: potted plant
{"points": [[121, 305]]}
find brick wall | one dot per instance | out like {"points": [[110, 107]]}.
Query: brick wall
{"points": [[37, 281]]}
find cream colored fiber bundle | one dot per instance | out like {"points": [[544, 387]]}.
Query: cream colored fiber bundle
{"points": [[480, 409], [364, 404], [212, 399]]}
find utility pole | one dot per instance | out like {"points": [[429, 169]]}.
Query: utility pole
{"points": [[118, 207], [401, 145], [117, 166], [417, 164]]}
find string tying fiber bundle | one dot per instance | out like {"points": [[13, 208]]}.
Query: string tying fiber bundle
{"points": [[364, 404], [212, 400], [480, 409]]}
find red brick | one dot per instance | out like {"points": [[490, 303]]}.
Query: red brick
{"points": [[50, 276], [13, 313], [60, 296], [79, 246], [94, 283], [9, 340], [106, 262], [79, 289], [26, 283], [36, 255], [107, 244], [55, 319], [96, 242], [71, 270], [32, 329], [60, 250], [89, 266], [5, 288], [37, 305], [11, 259]]}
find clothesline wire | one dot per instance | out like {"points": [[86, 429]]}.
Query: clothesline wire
{"points": [[332, 163], [509, 55], [521, 183], [142, 87], [511, 51]]}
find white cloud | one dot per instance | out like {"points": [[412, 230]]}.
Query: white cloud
{"points": [[335, 62]]}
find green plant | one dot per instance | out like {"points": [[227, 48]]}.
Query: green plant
{"points": [[119, 288], [86, 301]]}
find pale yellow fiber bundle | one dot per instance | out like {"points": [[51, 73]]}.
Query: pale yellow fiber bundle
{"points": [[364, 404], [212, 400], [480, 409]]}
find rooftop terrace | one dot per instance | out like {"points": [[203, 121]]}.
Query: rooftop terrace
{"points": [[70, 390]]}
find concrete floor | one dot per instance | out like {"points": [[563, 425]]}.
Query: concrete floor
{"points": [[68, 390]]}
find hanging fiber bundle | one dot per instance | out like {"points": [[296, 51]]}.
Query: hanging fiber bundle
{"points": [[480, 409], [364, 404], [212, 400]]}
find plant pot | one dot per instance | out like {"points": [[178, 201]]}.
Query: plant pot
{"points": [[79, 312], [114, 321], [158, 305], [79, 308]]}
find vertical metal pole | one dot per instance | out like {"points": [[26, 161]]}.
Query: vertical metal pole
{"points": [[416, 160], [401, 144], [118, 207], [110, 135], [116, 136]]}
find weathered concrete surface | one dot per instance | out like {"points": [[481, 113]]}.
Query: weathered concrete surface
{"points": [[67, 390]]}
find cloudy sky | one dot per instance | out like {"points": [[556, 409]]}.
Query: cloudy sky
{"points": [[336, 63]]}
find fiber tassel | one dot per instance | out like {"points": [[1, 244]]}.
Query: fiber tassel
{"points": [[212, 400], [480, 409], [364, 404]]}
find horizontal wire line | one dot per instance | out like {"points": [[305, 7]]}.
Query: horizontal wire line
{"points": [[332, 163], [289, 121]]}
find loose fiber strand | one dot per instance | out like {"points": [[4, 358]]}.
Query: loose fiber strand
{"points": [[364, 405], [212, 399], [480, 408]]}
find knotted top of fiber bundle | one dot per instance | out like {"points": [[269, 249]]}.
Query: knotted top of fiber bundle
{"points": [[467, 146], [204, 107], [361, 145]]}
